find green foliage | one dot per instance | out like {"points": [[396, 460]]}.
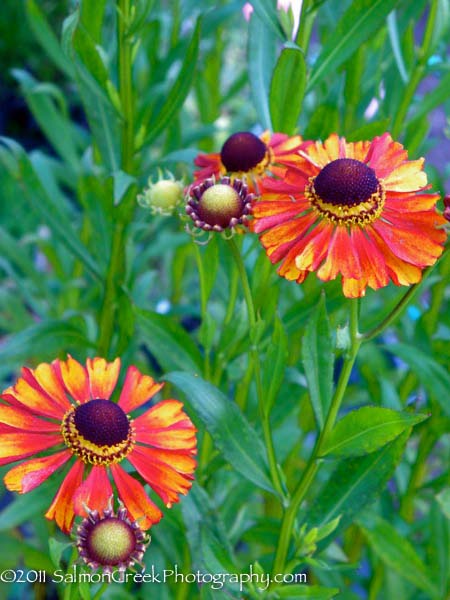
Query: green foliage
{"points": [[308, 444]]}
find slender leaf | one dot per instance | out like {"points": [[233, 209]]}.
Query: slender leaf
{"points": [[261, 59], [359, 22], [46, 37], [396, 552], [39, 200], [275, 363], [287, 89], [266, 11], [432, 99], [367, 429], [228, 427], [318, 360], [180, 88], [172, 347], [434, 378]]}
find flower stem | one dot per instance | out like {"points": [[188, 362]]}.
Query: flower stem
{"points": [[397, 310], [123, 213], [254, 356], [313, 465]]}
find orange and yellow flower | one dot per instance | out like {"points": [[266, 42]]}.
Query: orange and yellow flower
{"points": [[249, 157], [66, 408], [352, 209]]}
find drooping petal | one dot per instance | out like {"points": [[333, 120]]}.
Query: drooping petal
{"points": [[15, 446], [102, 377], [33, 398], [135, 498], [385, 155], [408, 177], [341, 258], [137, 390], [166, 481], [22, 419], [61, 508], [94, 492], [75, 379], [25, 477], [47, 378]]}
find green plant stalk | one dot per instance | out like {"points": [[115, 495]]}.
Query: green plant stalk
{"points": [[305, 25], [124, 212], [254, 357], [313, 465], [399, 307], [417, 74]]}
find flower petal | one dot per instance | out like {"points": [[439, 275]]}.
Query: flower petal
{"points": [[31, 396], [75, 379], [24, 420], [47, 377], [341, 258], [385, 155], [136, 501], [102, 377], [408, 177], [162, 478], [30, 474], [137, 390], [15, 446], [94, 492], [61, 508]]}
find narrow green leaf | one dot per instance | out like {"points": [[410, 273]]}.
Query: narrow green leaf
{"points": [[318, 361], [396, 47], [287, 90], [172, 347], [275, 363], [359, 22], [39, 200], [267, 12], [367, 429], [45, 36], [433, 376], [180, 88], [355, 483], [92, 13], [313, 592], [228, 427], [369, 130], [261, 60], [396, 552], [432, 99]]}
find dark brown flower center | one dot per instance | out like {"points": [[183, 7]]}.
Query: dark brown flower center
{"points": [[102, 422], [110, 542], [242, 152], [346, 181]]}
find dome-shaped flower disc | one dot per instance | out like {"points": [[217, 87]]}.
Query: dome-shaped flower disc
{"points": [[64, 409], [358, 210]]}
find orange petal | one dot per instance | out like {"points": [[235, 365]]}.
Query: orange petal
{"points": [[385, 155], [136, 501], [354, 288], [22, 419], [102, 377], [31, 396], [404, 202], [162, 415], [401, 272], [161, 477], [285, 232], [372, 261], [14, 446], [171, 438], [341, 258], [137, 389], [334, 147], [28, 475], [410, 245], [47, 377], [94, 492], [61, 509], [408, 177], [314, 248], [75, 379]]}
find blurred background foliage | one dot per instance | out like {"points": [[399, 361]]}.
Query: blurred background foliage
{"points": [[68, 186]]}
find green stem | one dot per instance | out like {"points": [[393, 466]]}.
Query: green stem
{"points": [[417, 74], [312, 466], [254, 356], [123, 213], [398, 308]]}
